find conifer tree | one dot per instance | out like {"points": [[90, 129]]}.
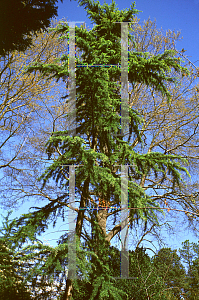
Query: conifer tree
{"points": [[29, 269], [96, 148], [189, 254], [12, 276], [169, 267]]}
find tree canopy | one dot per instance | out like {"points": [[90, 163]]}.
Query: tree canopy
{"points": [[98, 116]]}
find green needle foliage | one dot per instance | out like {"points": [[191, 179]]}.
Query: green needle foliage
{"points": [[13, 283], [19, 20], [30, 269], [96, 146], [189, 254]]}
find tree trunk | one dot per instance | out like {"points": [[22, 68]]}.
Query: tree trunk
{"points": [[68, 291]]}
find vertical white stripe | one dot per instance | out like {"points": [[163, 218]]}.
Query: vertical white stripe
{"points": [[124, 216], [124, 79], [72, 225], [72, 81]]}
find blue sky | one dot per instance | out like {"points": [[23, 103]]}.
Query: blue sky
{"points": [[180, 15]]}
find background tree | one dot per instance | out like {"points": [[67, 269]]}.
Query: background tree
{"points": [[12, 279], [29, 112], [189, 255], [20, 20], [169, 129], [169, 267], [193, 275]]}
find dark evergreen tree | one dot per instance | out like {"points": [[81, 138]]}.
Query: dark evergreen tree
{"points": [[148, 285], [170, 268], [189, 254], [12, 279], [19, 19], [193, 280], [30, 269]]}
